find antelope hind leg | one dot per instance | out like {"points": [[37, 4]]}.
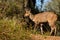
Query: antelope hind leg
{"points": [[52, 29], [41, 29]]}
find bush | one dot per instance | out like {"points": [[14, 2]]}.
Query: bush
{"points": [[12, 29]]}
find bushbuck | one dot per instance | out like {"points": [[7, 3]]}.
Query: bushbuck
{"points": [[49, 17]]}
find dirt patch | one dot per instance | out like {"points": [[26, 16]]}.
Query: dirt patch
{"points": [[40, 37]]}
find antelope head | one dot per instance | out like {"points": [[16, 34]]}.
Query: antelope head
{"points": [[27, 12]]}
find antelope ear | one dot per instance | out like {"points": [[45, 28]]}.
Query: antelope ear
{"points": [[27, 9]]}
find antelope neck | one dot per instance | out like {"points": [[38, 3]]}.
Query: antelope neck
{"points": [[31, 16]]}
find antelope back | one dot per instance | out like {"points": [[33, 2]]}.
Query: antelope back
{"points": [[45, 16]]}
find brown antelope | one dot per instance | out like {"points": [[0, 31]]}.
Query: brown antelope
{"points": [[49, 17]]}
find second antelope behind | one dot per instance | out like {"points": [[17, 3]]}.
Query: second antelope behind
{"points": [[49, 17]]}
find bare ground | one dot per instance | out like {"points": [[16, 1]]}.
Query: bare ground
{"points": [[41, 37]]}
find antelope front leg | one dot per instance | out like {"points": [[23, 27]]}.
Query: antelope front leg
{"points": [[51, 31], [55, 31], [41, 29], [35, 27]]}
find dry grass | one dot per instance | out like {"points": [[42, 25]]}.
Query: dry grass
{"points": [[12, 29]]}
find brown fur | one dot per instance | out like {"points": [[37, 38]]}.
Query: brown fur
{"points": [[49, 17]]}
